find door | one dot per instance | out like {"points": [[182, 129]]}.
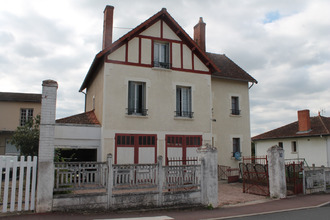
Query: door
{"points": [[135, 148]]}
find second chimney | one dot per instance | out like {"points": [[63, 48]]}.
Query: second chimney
{"points": [[304, 121], [199, 34], [107, 26]]}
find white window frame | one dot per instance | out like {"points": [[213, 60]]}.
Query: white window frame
{"points": [[25, 115], [235, 106], [162, 55], [234, 146], [294, 145], [183, 97], [136, 98]]}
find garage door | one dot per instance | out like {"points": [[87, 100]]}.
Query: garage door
{"points": [[135, 148]]}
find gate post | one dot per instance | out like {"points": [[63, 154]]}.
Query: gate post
{"points": [[276, 172], [110, 181], [209, 175], [160, 180], [45, 185]]}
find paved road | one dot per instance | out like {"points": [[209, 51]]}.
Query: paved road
{"points": [[320, 213], [285, 206]]}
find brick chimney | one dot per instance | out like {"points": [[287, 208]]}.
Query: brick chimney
{"points": [[107, 26], [199, 34], [304, 121]]}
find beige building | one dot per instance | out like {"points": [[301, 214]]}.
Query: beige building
{"points": [[156, 91], [16, 109]]}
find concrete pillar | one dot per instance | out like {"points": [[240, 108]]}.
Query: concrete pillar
{"points": [[276, 172], [209, 172], [46, 147], [110, 180], [160, 180]]}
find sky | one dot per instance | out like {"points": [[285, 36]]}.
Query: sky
{"points": [[283, 44]]}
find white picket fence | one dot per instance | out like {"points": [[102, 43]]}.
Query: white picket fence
{"points": [[17, 183]]}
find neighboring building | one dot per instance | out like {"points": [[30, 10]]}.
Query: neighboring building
{"points": [[308, 138], [16, 109], [155, 91]]}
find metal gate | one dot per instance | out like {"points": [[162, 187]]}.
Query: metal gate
{"points": [[254, 172], [294, 176]]}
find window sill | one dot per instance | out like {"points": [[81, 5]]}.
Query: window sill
{"points": [[137, 116], [233, 158], [183, 118], [235, 116], [161, 69]]}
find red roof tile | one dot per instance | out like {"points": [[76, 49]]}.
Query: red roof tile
{"points": [[87, 118], [219, 65], [319, 126]]}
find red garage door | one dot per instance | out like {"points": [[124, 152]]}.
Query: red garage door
{"points": [[135, 148], [182, 147]]}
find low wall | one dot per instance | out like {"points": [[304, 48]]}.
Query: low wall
{"points": [[123, 201], [81, 201]]}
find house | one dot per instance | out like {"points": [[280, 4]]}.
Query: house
{"points": [[16, 109], [156, 91], [308, 138]]}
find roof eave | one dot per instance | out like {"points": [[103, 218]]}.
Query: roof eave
{"points": [[287, 137], [231, 78]]}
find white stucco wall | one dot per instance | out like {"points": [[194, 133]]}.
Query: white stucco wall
{"points": [[77, 136], [228, 126], [313, 149], [160, 102]]}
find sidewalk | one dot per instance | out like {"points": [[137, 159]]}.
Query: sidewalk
{"points": [[268, 206]]}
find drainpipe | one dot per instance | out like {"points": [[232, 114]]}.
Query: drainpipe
{"points": [[85, 99]]}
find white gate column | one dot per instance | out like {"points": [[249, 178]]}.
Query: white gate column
{"points": [[46, 147], [276, 172]]}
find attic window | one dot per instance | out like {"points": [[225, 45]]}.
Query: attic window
{"points": [[161, 55]]}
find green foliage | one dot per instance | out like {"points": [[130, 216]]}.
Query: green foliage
{"points": [[209, 206], [26, 138]]}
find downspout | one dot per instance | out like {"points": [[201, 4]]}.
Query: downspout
{"points": [[85, 99]]}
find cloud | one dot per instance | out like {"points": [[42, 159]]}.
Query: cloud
{"points": [[283, 44]]}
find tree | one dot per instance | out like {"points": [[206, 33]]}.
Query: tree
{"points": [[26, 138]]}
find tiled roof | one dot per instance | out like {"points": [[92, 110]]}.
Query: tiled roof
{"points": [[319, 126], [20, 97], [219, 65], [229, 69], [86, 118]]}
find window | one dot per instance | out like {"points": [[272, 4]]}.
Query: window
{"points": [[136, 98], [235, 106], [183, 102], [26, 114], [294, 147], [11, 149], [280, 144], [236, 146], [161, 55]]}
